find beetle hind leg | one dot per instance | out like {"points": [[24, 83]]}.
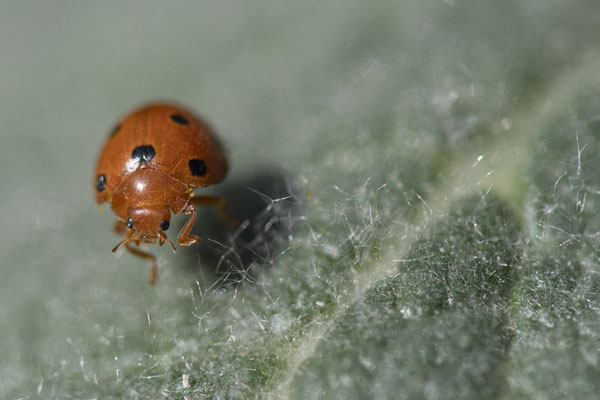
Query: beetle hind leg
{"points": [[221, 203]]}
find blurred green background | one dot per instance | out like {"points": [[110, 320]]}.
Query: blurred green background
{"points": [[419, 181]]}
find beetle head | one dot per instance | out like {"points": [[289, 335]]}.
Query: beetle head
{"points": [[147, 224]]}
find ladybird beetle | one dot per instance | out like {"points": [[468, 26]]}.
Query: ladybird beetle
{"points": [[148, 168]]}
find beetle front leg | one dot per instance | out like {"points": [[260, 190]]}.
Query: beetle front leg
{"points": [[148, 256], [185, 238], [120, 227]]}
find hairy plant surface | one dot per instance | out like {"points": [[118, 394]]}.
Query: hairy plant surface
{"points": [[419, 183]]}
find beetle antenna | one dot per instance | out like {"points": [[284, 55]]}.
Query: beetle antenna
{"points": [[172, 246], [127, 239], [162, 238]]}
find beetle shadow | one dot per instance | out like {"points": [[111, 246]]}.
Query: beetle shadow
{"points": [[229, 254]]}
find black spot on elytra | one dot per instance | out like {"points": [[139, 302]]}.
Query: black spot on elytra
{"points": [[197, 167], [101, 183], [115, 130], [180, 119], [143, 154]]}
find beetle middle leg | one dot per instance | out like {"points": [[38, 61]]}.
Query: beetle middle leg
{"points": [[185, 238]]}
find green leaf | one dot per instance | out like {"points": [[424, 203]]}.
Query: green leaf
{"points": [[439, 325], [556, 351], [419, 181]]}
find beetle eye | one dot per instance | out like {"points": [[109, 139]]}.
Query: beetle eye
{"points": [[130, 223], [164, 224], [101, 183]]}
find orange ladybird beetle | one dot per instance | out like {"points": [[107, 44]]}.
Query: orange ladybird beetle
{"points": [[148, 168]]}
